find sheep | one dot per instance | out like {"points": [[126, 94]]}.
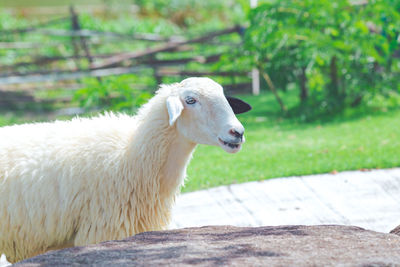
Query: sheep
{"points": [[87, 180]]}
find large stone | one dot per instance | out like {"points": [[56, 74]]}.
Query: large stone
{"points": [[237, 246]]}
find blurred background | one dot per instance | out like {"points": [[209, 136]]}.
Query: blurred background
{"points": [[323, 77]]}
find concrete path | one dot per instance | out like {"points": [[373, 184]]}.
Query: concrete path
{"points": [[368, 199]]}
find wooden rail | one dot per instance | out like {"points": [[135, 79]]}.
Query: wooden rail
{"points": [[59, 75], [54, 76], [162, 48], [85, 62]]}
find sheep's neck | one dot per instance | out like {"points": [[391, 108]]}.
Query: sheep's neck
{"points": [[159, 154], [170, 156], [174, 170]]}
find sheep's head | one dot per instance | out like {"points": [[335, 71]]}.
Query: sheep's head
{"points": [[204, 115]]}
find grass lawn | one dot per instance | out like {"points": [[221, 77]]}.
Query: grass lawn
{"points": [[279, 147]]}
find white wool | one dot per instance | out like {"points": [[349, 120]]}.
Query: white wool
{"points": [[78, 182], [3, 261]]}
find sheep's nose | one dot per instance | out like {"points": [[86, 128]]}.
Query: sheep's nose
{"points": [[236, 133]]}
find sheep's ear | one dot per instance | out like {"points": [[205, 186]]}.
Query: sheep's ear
{"points": [[175, 107], [238, 106]]}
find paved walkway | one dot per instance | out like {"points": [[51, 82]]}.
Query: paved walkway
{"points": [[368, 199]]}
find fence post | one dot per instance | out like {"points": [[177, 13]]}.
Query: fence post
{"points": [[255, 81], [255, 73], [77, 27], [73, 38]]}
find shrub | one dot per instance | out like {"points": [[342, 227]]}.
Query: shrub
{"points": [[117, 93], [337, 53]]}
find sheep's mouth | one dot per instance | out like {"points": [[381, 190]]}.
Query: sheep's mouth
{"points": [[234, 147]]}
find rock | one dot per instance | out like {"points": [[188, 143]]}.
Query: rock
{"points": [[396, 230], [328, 245]]}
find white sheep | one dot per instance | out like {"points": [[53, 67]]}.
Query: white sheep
{"points": [[78, 182]]}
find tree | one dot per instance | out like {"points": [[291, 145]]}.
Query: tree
{"points": [[336, 52]]}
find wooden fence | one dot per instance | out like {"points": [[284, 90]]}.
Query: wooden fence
{"points": [[37, 71]]}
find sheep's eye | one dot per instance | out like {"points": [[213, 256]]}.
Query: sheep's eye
{"points": [[190, 100]]}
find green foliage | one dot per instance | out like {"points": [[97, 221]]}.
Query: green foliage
{"points": [[113, 93], [339, 52]]}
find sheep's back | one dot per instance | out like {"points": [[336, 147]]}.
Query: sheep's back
{"points": [[47, 171]]}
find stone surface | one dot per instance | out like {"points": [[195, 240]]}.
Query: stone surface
{"points": [[328, 245], [396, 230]]}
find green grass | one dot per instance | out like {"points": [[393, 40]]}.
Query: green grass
{"points": [[277, 147]]}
